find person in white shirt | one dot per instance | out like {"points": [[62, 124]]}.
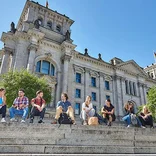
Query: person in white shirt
{"points": [[87, 110]]}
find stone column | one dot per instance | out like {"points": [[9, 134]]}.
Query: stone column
{"points": [[31, 60], [141, 93], [123, 91], [65, 59], [5, 60], [101, 90], [58, 88], [87, 82], [119, 95], [144, 93]]}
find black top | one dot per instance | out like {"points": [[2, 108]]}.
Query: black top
{"points": [[109, 109]]}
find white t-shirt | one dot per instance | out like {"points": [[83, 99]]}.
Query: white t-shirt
{"points": [[87, 108]]}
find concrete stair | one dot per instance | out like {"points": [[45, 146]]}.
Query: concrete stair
{"points": [[76, 139]]}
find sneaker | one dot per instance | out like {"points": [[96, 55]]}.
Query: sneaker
{"points": [[128, 126], [22, 121], [109, 124], [13, 120], [40, 121], [143, 127], [84, 123], [3, 120], [31, 121], [73, 122], [54, 122]]}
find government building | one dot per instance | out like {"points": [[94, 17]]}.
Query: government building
{"points": [[41, 43]]}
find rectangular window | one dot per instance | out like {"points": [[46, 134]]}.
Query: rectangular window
{"points": [[52, 70], [93, 81], [77, 108], [107, 85], [38, 66], [93, 96], [78, 77], [130, 88], [126, 85], [45, 67], [78, 93], [107, 97], [134, 88]]}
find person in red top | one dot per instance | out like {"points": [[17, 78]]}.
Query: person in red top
{"points": [[38, 107]]}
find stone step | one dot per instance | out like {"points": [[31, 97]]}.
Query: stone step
{"points": [[55, 149]]}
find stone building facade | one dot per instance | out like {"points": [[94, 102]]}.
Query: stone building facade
{"points": [[41, 43], [151, 70]]}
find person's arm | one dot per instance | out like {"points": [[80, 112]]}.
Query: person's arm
{"points": [[15, 105], [43, 104], [4, 100], [112, 112], [102, 110], [33, 104]]}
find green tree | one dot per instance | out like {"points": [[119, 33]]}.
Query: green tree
{"points": [[14, 80], [152, 101]]}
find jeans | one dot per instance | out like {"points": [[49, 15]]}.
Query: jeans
{"points": [[36, 112], [3, 111], [23, 112], [90, 114], [127, 118]]}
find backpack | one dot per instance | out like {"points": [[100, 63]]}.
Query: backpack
{"points": [[64, 119], [93, 121]]}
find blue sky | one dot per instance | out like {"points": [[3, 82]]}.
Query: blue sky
{"points": [[114, 28]]}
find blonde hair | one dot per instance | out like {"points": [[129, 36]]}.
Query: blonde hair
{"points": [[143, 109]]}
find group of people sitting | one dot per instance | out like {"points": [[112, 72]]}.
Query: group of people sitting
{"points": [[21, 107]]}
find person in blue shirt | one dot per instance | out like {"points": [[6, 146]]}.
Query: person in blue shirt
{"points": [[64, 106], [2, 104]]}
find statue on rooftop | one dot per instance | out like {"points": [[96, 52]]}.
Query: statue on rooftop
{"points": [[67, 35], [12, 27], [37, 24]]}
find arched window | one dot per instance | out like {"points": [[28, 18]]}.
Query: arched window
{"points": [[40, 20], [49, 24], [58, 28], [45, 67]]}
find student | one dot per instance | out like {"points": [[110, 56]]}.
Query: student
{"points": [[87, 110], [130, 111], [38, 107], [19, 107], [64, 106], [108, 112], [146, 117], [2, 104]]}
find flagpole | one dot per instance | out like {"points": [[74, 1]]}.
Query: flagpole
{"points": [[154, 53]]}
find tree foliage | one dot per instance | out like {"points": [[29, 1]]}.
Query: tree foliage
{"points": [[152, 101], [14, 80]]}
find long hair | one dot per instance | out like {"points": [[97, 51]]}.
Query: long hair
{"points": [[86, 101], [145, 109]]}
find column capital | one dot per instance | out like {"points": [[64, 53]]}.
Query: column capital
{"points": [[8, 51], [33, 47], [66, 57]]}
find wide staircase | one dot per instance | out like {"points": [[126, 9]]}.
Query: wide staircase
{"points": [[76, 139]]}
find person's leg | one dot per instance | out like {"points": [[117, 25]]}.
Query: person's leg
{"points": [[84, 117], [70, 112], [12, 112], [25, 113], [127, 119], [33, 113], [91, 113], [139, 122], [142, 121], [149, 121], [58, 113], [3, 110], [41, 115]]}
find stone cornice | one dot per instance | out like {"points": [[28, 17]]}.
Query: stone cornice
{"points": [[67, 47], [35, 33], [33, 47], [78, 69], [66, 58], [93, 73], [50, 44], [7, 36]]}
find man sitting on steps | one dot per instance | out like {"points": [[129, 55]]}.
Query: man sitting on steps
{"points": [[38, 107], [64, 106]]}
